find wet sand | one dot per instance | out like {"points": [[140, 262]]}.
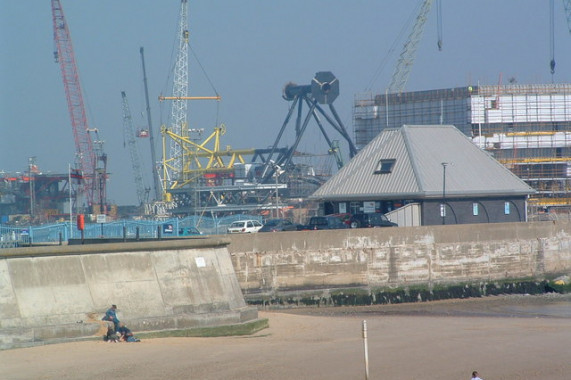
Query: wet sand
{"points": [[501, 337]]}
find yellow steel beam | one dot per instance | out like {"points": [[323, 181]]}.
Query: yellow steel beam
{"points": [[225, 153], [531, 133], [549, 201], [535, 160]]}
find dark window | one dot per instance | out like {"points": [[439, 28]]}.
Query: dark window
{"points": [[385, 166]]}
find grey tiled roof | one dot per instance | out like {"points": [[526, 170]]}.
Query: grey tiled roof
{"points": [[419, 151]]}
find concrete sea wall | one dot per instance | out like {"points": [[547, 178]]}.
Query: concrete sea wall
{"points": [[51, 294], [273, 264]]}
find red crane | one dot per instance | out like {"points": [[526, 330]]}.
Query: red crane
{"points": [[89, 151]]}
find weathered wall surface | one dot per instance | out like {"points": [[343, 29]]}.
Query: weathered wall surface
{"points": [[269, 263], [50, 293]]}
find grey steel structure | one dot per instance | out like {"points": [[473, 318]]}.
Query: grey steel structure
{"points": [[525, 127], [323, 90]]}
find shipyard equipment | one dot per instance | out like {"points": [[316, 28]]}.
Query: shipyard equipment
{"points": [[179, 106], [567, 5], [323, 90], [181, 164], [156, 181], [408, 54], [90, 158], [129, 133]]}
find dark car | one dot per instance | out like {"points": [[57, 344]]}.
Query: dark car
{"points": [[345, 217], [327, 222], [188, 231], [373, 219], [275, 225]]}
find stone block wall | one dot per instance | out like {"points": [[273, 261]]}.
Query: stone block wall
{"points": [[270, 263]]}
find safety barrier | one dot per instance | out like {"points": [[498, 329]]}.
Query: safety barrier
{"points": [[16, 236]]}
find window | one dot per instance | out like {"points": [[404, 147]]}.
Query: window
{"points": [[385, 166], [369, 206], [507, 208], [475, 210], [356, 207]]}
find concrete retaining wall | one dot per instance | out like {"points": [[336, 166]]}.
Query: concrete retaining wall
{"points": [[57, 293], [273, 263]]}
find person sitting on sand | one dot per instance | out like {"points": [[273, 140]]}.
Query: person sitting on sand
{"points": [[126, 334], [475, 376], [111, 335]]}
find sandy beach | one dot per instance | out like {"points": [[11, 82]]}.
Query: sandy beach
{"points": [[501, 337]]}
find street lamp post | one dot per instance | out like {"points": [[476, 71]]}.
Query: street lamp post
{"points": [[31, 171], [277, 198], [277, 172], [443, 206]]}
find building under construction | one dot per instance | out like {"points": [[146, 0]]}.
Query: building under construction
{"points": [[525, 127]]}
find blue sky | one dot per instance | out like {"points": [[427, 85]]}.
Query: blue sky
{"points": [[249, 50]]}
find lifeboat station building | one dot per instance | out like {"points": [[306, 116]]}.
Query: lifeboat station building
{"points": [[426, 175]]}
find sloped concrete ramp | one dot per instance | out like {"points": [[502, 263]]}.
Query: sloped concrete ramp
{"points": [[51, 294]]}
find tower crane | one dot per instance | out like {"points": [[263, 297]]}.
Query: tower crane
{"points": [[90, 158], [129, 131], [182, 152]]}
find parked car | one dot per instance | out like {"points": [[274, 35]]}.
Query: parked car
{"points": [[188, 231], [373, 219], [275, 225], [345, 217], [328, 222], [244, 227]]}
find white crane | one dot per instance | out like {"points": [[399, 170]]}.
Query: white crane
{"points": [[179, 122], [408, 54], [567, 5]]}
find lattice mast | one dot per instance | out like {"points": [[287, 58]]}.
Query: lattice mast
{"points": [[87, 154], [567, 6], [408, 54], [179, 121], [129, 131]]}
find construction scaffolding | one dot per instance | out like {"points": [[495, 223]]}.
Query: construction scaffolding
{"points": [[525, 127]]}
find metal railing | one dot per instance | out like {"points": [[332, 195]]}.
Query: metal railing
{"points": [[58, 233]]}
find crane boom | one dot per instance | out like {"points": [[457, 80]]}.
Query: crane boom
{"points": [[179, 108], [407, 56], [156, 180], [86, 156], [567, 6], [129, 130]]}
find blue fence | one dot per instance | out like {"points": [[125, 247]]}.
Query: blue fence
{"points": [[11, 236]]}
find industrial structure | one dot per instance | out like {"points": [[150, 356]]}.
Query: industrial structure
{"points": [[90, 158], [202, 175], [214, 179], [35, 197], [130, 135], [525, 127]]}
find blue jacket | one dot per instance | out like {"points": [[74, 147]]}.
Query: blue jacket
{"points": [[111, 315]]}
